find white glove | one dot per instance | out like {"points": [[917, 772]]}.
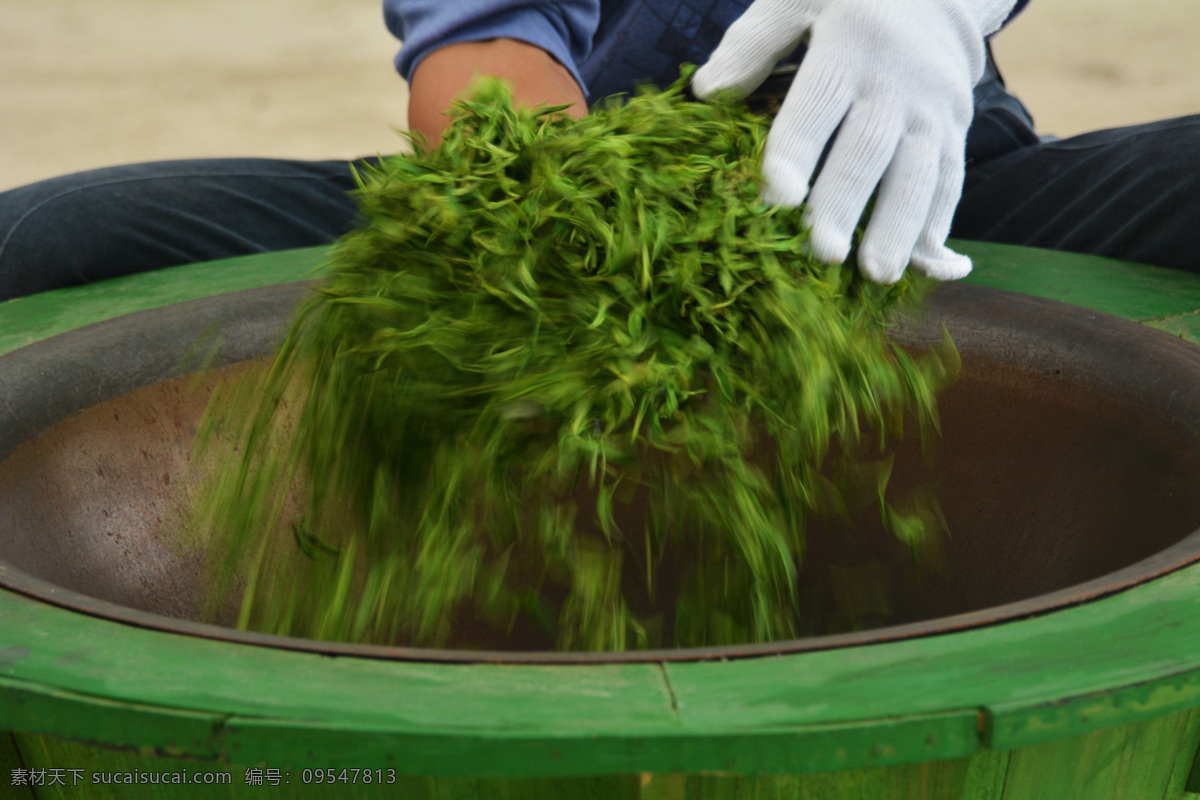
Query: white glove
{"points": [[896, 76]]}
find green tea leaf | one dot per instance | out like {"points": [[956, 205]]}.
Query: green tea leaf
{"points": [[569, 384]]}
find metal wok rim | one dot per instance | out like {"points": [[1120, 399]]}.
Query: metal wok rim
{"points": [[175, 329]]}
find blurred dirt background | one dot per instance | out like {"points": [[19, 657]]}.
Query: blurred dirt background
{"points": [[87, 83]]}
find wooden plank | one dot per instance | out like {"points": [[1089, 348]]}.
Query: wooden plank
{"points": [[39, 709], [1121, 764], [959, 779], [1149, 753], [1185, 778], [838, 709], [1065, 769], [938, 780], [11, 761], [986, 775], [1134, 291], [96, 658], [50, 753], [785, 751], [1131, 762], [1024, 675], [1018, 724], [935, 780]]}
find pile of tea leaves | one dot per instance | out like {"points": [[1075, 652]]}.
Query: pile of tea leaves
{"points": [[569, 384]]}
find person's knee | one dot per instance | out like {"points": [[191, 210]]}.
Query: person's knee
{"points": [[60, 232], [120, 220]]}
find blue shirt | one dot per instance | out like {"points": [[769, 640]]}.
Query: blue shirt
{"points": [[609, 46]]}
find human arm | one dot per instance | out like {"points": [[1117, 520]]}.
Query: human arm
{"points": [[534, 45], [444, 74]]}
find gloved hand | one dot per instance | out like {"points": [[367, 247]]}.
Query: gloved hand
{"points": [[896, 76]]}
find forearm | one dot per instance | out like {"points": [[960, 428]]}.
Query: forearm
{"points": [[444, 74]]}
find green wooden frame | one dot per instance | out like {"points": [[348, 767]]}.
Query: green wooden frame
{"points": [[1125, 659]]}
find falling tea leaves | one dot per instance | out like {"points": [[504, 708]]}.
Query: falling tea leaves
{"points": [[568, 384]]}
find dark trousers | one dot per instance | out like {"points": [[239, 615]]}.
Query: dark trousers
{"points": [[1129, 193]]}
